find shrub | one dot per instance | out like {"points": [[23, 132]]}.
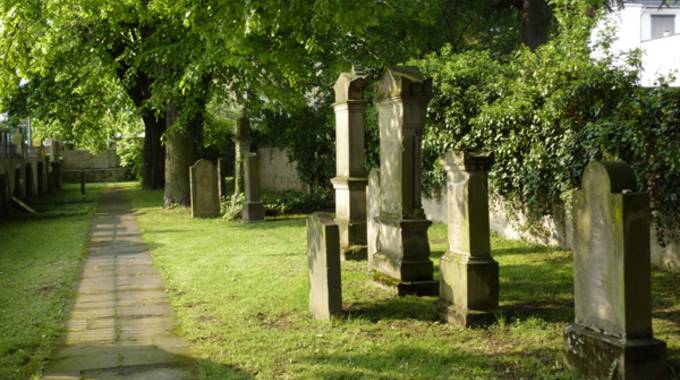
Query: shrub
{"points": [[546, 114], [296, 202]]}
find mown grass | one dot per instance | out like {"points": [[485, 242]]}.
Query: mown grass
{"points": [[39, 265], [240, 291]]}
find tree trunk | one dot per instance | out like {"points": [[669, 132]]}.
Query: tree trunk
{"points": [[180, 154], [535, 22], [154, 152]]}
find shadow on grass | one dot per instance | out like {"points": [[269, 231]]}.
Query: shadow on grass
{"points": [[420, 308], [525, 250], [135, 361], [269, 224], [423, 363]]}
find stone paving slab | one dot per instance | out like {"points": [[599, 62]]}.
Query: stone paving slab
{"points": [[122, 325]]}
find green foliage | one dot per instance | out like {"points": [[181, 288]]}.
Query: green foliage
{"points": [[129, 150], [308, 135], [546, 114], [231, 210], [296, 202]]}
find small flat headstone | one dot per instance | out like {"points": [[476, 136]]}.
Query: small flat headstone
{"points": [[612, 331], [323, 263], [205, 201]]}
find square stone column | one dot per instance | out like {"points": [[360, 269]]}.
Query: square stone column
{"points": [[612, 333], [252, 208], [403, 259], [242, 142], [323, 266], [350, 180], [468, 288]]}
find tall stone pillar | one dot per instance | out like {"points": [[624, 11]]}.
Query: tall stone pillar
{"points": [[350, 179], [403, 258], [242, 142], [468, 288], [252, 208]]}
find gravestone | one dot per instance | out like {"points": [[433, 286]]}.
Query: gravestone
{"points": [[205, 202], [468, 288], [252, 208], [373, 212], [612, 332], [242, 142], [403, 259], [350, 179], [323, 264]]}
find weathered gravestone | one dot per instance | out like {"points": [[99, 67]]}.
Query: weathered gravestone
{"points": [[468, 288], [350, 179], [323, 264], [205, 201], [252, 208], [242, 142], [403, 258], [612, 332]]}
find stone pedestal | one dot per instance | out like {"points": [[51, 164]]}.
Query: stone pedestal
{"points": [[468, 288], [403, 258], [323, 264], [252, 208], [612, 332], [350, 180], [242, 142], [205, 202]]}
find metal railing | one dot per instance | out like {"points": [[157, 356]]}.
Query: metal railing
{"points": [[9, 151]]}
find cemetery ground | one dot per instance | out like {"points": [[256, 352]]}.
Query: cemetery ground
{"points": [[240, 293]]}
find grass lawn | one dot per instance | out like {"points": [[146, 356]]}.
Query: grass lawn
{"points": [[240, 291], [39, 265]]}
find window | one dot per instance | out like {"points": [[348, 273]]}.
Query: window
{"points": [[662, 26]]}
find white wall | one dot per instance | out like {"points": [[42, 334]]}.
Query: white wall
{"points": [[277, 172], [661, 57]]}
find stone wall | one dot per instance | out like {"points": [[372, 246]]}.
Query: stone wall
{"points": [[552, 231], [101, 167], [82, 159], [277, 172]]}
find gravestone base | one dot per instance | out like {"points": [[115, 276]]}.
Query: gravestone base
{"points": [[469, 286], [354, 253], [404, 288], [252, 211], [605, 356], [466, 318], [410, 271], [355, 234]]}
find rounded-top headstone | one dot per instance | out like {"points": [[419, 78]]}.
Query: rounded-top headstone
{"points": [[350, 87], [406, 83]]}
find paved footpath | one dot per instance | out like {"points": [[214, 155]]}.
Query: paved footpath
{"points": [[122, 325]]}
